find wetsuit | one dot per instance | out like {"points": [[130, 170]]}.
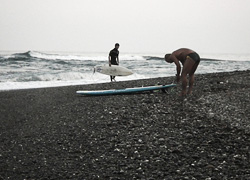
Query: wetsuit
{"points": [[114, 53]]}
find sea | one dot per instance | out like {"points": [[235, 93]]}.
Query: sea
{"points": [[35, 69]]}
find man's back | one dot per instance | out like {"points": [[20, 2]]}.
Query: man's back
{"points": [[114, 53], [182, 53]]}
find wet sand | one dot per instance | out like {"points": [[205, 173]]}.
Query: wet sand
{"points": [[53, 133]]}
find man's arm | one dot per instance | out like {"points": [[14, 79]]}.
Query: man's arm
{"points": [[118, 60], [178, 67]]}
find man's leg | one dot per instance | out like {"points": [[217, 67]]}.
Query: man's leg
{"points": [[191, 83], [187, 68], [184, 84], [191, 77]]}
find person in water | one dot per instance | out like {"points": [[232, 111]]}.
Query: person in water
{"points": [[190, 61], [114, 58]]}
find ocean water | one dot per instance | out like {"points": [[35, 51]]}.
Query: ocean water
{"points": [[35, 69]]}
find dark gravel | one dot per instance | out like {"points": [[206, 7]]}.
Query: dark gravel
{"points": [[52, 133]]}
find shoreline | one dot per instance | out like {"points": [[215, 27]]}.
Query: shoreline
{"points": [[53, 133], [170, 78]]}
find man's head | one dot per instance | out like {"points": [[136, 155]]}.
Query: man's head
{"points": [[167, 58], [117, 45]]}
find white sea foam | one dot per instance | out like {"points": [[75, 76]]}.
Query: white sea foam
{"points": [[65, 56], [82, 57], [54, 82]]}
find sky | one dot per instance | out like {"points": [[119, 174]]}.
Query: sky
{"points": [[139, 26]]}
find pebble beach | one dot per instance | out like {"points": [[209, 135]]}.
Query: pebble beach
{"points": [[53, 133]]}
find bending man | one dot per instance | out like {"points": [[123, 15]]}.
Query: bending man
{"points": [[190, 61]]}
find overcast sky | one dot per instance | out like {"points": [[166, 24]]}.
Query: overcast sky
{"points": [[150, 26]]}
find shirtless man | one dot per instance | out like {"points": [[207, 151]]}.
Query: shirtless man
{"points": [[190, 61]]}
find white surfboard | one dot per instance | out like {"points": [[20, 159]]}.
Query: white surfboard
{"points": [[113, 70]]}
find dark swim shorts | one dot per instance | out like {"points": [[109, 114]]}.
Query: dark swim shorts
{"points": [[194, 56]]}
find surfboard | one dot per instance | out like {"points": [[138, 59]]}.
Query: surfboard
{"points": [[124, 91], [113, 70]]}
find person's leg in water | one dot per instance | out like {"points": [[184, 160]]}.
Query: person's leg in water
{"points": [[187, 68], [112, 78]]}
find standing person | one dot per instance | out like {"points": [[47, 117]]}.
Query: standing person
{"points": [[114, 58], [190, 61]]}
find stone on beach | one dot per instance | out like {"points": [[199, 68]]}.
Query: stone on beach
{"points": [[52, 133]]}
